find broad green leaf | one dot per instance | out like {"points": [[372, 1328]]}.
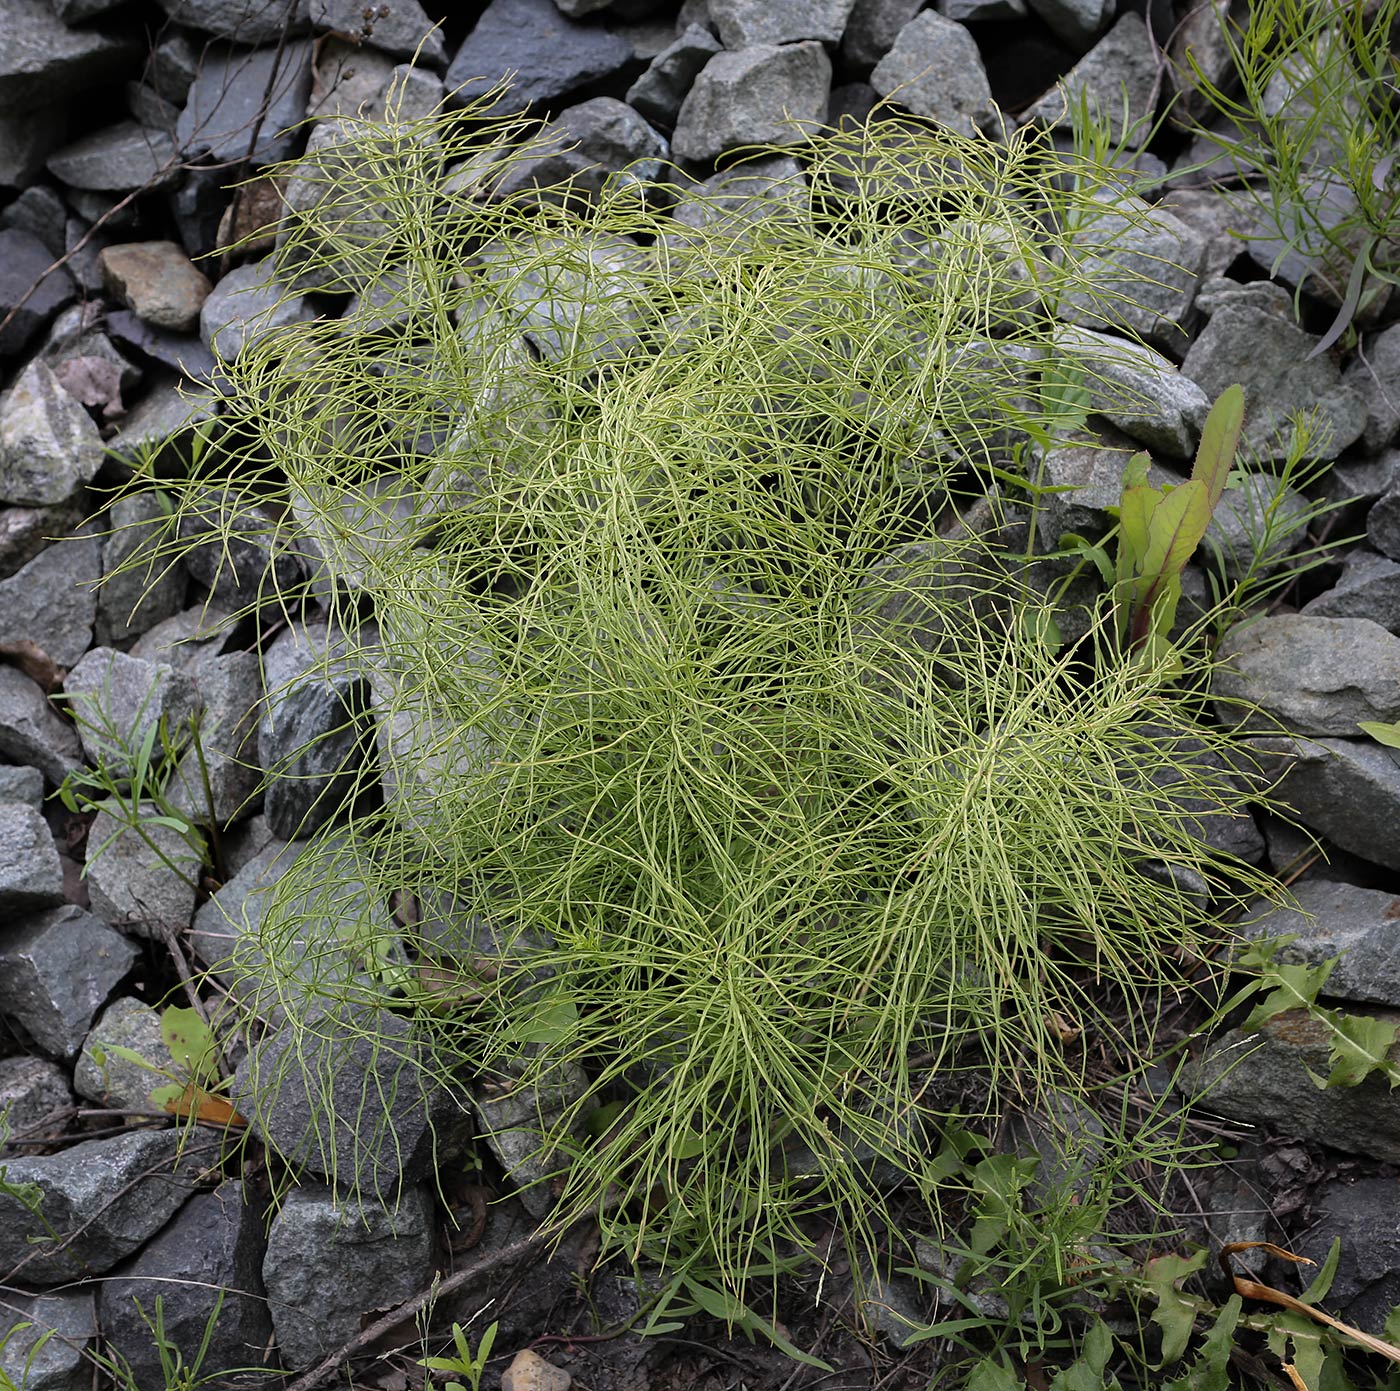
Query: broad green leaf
{"points": [[550, 1024], [719, 1304], [1175, 1313], [1334, 1374], [189, 1042], [1086, 1372], [1290, 987], [1134, 512], [1173, 532], [991, 1375], [1322, 1281], [130, 1055], [1211, 1369], [1220, 440], [1387, 734], [1361, 1045]]}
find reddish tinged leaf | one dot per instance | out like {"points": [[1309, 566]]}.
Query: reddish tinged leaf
{"points": [[1220, 439]]}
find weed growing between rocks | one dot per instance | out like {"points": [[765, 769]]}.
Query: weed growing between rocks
{"points": [[753, 842]]}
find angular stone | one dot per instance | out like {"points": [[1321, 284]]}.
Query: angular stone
{"points": [[31, 1091], [247, 305], [1139, 390], [935, 71], [26, 142], [764, 95], [243, 21], [744, 23], [399, 28], [550, 54], [25, 262], [1144, 262], [1240, 519], [141, 586], [1076, 22], [1368, 587], [108, 1196], [773, 186], [1364, 1215], [1266, 353], [50, 601], [44, 1341], [117, 700], [226, 101], [22, 784], [163, 431], [1383, 524], [514, 1122], [1264, 1078], [116, 159], [1375, 377], [349, 1095], [104, 1077], [184, 640], [49, 446], [872, 28], [41, 213], [157, 282], [379, 1254], [1335, 919], [1123, 61], [222, 779], [31, 877], [56, 972], [1346, 789], [312, 730], [143, 878], [584, 148], [180, 352], [43, 61], [209, 1259], [1316, 675], [660, 91], [31, 731]]}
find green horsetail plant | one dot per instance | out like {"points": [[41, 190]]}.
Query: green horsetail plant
{"points": [[1160, 528], [727, 818]]}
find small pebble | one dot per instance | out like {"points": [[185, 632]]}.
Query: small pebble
{"points": [[530, 1372]]}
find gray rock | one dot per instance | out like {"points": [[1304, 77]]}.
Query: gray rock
{"points": [[764, 95], [1121, 62], [660, 91], [1144, 262], [178, 351], [399, 28], [245, 841], [1364, 1214], [312, 730], [31, 731], [49, 446], [238, 552], [773, 186], [230, 688], [22, 784], [550, 54], [1374, 375], [24, 262], [116, 159], [1138, 389], [1368, 587], [744, 23], [86, 361], [226, 100], [348, 1094], [186, 639], [143, 878], [1265, 353], [41, 213], [142, 584], [107, 1079], [1240, 518], [31, 1091], [1264, 1078], [108, 1196], [1212, 216], [43, 61], [1076, 22], [582, 151], [27, 141], [352, 79], [50, 601], [302, 949], [408, 94], [245, 306], [56, 972], [244, 21], [44, 1341], [935, 71], [981, 11], [1383, 524], [162, 431], [1346, 789], [26, 531], [213, 1247], [380, 1256], [514, 1121], [118, 699], [31, 877], [872, 28], [1315, 675], [157, 282], [1334, 919]]}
